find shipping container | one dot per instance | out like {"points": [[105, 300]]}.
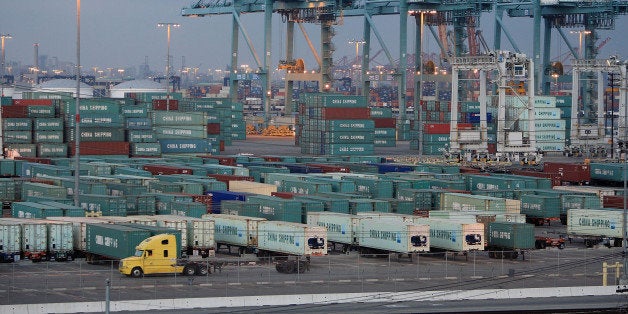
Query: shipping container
{"points": [[10, 240], [112, 241], [235, 230], [510, 236], [595, 222], [456, 236], [390, 236], [252, 187], [341, 228], [60, 240], [33, 210], [292, 238]]}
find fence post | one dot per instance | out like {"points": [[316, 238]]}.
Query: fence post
{"points": [[604, 273]]}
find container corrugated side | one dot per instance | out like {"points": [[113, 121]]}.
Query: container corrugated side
{"points": [[235, 230], [11, 239], [113, 241], [595, 222], [455, 235], [252, 187], [60, 239], [387, 235], [292, 238], [341, 228], [511, 235]]}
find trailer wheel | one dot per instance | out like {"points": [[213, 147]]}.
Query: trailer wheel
{"points": [[202, 270], [289, 267], [588, 243], [189, 270], [561, 246], [514, 255], [136, 272], [491, 254]]}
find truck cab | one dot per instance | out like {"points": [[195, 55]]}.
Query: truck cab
{"points": [[158, 255]]}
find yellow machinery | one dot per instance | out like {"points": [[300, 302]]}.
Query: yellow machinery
{"points": [[292, 66]]}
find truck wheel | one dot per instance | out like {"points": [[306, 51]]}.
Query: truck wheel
{"points": [[588, 243], [136, 272], [189, 270], [561, 246], [514, 255], [202, 270]]}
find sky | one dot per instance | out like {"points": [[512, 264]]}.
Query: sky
{"points": [[122, 33]]}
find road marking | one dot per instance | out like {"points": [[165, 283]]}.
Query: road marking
{"points": [[372, 280], [317, 281], [89, 288], [263, 283], [148, 286], [424, 278], [289, 282], [398, 279], [451, 278], [234, 284], [176, 286], [59, 289], [477, 277], [553, 275], [205, 285], [344, 280]]}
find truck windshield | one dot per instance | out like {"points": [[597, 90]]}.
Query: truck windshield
{"points": [[139, 253]]}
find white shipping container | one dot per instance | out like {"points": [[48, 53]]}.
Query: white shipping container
{"points": [[595, 222], [600, 191], [34, 236], [341, 228], [235, 230], [252, 187], [384, 234], [79, 233], [10, 240], [292, 238], [60, 236], [457, 236]]}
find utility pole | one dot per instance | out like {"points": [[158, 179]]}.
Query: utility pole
{"points": [[168, 26]]}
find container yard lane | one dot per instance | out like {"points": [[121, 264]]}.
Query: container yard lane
{"points": [[77, 281]]}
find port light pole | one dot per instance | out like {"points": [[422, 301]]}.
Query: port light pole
{"points": [[580, 33], [357, 44], [168, 26], [77, 117], [3, 37]]}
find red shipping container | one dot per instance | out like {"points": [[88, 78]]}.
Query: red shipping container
{"points": [[213, 128], [14, 112], [613, 201], [464, 169], [346, 113], [569, 172], [101, 148], [32, 102], [385, 122], [286, 195], [555, 178], [272, 158], [436, 128], [225, 161], [203, 199], [465, 126], [163, 104], [165, 170], [329, 168]]}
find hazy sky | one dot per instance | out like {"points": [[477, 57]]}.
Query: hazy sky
{"points": [[120, 33]]}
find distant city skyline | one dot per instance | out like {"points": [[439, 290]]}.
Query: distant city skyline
{"points": [[123, 34]]}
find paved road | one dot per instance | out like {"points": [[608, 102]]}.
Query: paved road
{"points": [[26, 282]]}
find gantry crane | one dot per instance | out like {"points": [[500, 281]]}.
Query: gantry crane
{"points": [[516, 142]]}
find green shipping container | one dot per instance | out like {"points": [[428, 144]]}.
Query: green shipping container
{"points": [[18, 137], [113, 241], [508, 235], [304, 187], [40, 189], [52, 150], [274, 208], [98, 134], [17, 124], [141, 136], [145, 149], [34, 210], [180, 132], [48, 124], [105, 204], [163, 118], [537, 206], [48, 137], [613, 172]]}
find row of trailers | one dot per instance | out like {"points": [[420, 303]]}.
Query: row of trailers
{"points": [[377, 233]]}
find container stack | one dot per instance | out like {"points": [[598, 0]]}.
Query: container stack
{"points": [[432, 112], [18, 116], [549, 127], [385, 127], [335, 125], [181, 132], [102, 127]]}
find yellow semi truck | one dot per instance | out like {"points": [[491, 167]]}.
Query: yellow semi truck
{"points": [[159, 255]]}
